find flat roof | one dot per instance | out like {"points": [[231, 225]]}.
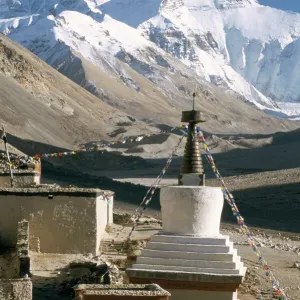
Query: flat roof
{"points": [[44, 190], [141, 290]]}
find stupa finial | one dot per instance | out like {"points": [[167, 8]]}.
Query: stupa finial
{"points": [[194, 97], [192, 172]]}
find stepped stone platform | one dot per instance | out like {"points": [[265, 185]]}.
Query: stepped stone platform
{"points": [[189, 258]]}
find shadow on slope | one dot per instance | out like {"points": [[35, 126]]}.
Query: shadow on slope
{"points": [[125, 10], [30, 147], [273, 207], [265, 207], [282, 153]]}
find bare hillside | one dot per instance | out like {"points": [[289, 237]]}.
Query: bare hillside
{"points": [[40, 104]]}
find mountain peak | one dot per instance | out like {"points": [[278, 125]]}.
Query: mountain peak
{"points": [[219, 4], [234, 44], [230, 4]]}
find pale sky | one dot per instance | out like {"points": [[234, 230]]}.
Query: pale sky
{"points": [[293, 5]]}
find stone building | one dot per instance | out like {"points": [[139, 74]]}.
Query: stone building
{"points": [[61, 220]]}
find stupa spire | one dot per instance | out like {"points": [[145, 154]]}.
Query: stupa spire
{"points": [[192, 172]]}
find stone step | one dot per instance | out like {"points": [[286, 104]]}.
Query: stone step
{"points": [[181, 239], [112, 247], [187, 269], [231, 256], [190, 247], [189, 263]]}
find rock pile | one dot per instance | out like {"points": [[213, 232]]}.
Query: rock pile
{"points": [[280, 243], [134, 249], [123, 219], [89, 271]]}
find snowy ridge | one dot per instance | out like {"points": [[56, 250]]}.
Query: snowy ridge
{"points": [[105, 44], [237, 45], [247, 37]]}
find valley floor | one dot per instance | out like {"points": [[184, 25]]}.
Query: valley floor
{"points": [[281, 250], [262, 173]]}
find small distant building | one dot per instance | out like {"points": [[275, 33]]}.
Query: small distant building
{"points": [[22, 179], [26, 171], [120, 292]]}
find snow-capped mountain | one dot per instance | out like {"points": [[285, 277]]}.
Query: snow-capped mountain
{"points": [[238, 45], [259, 43]]}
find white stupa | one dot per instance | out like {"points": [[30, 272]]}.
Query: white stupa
{"points": [[189, 257]]}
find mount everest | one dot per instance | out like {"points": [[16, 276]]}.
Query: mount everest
{"points": [[244, 48]]}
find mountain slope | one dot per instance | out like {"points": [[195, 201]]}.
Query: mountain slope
{"points": [[213, 38], [40, 104]]}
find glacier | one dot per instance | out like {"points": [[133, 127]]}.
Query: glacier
{"points": [[259, 43], [240, 46]]}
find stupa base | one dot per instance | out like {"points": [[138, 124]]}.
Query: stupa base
{"points": [[190, 266]]}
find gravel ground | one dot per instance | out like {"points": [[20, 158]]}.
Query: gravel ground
{"points": [[281, 250], [266, 186]]}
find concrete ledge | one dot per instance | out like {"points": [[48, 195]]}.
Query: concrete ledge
{"points": [[123, 291], [188, 285], [203, 270], [189, 247], [191, 255], [188, 239], [188, 262], [195, 278]]}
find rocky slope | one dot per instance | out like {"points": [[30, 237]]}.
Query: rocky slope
{"points": [[167, 42], [42, 105]]}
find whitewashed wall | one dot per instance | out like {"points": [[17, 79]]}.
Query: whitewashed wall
{"points": [[64, 220]]}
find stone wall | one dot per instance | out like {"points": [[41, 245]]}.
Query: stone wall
{"points": [[15, 262], [21, 179], [15, 289], [22, 248], [9, 264], [63, 220]]}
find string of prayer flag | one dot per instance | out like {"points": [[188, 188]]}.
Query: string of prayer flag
{"points": [[100, 147], [251, 239], [146, 200]]}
